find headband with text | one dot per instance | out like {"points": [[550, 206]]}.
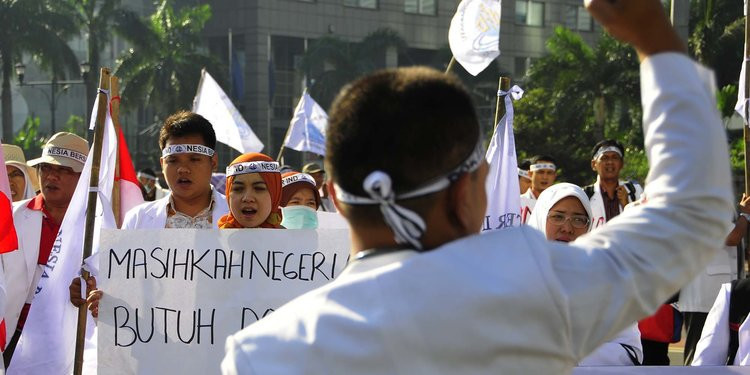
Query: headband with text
{"points": [[187, 149], [253, 167], [522, 173], [536, 167], [64, 152], [602, 150], [299, 177]]}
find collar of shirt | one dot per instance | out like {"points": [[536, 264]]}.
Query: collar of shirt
{"points": [[177, 219], [37, 204]]}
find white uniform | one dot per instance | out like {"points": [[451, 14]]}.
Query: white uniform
{"points": [[699, 295], [510, 301], [153, 215], [713, 347], [599, 217], [528, 200], [21, 268]]}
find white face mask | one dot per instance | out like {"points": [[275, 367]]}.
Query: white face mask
{"points": [[299, 217]]}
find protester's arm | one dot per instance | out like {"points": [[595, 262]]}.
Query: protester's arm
{"points": [[624, 270], [740, 226], [713, 346]]}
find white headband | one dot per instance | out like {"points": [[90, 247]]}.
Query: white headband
{"points": [[145, 175], [185, 149], [64, 152], [299, 177], [408, 227], [536, 167], [522, 173], [602, 150], [253, 167]]}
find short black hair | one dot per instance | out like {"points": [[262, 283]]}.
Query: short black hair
{"points": [[525, 165], [184, 123], [147, 171], [608, 143], [415, 124], [538, 158]]}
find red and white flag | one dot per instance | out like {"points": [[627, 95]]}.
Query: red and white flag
{"points": [[47, 344], [8, 237]]}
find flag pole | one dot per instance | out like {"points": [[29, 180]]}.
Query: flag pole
{"points": [[503, 84], [450, 65], [115, 113], [91, 210]]}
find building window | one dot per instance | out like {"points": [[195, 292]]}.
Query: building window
{"points": [[577, 18], [420, 7], [529, 13], [369, 4]]}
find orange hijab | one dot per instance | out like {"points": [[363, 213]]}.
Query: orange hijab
{"points": [[273, 182]]}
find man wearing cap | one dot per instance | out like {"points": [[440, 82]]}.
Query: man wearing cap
{"points": [[23, 180], [319, 174], [542, 175], [424, 293], [608, 194], [37, 222]]}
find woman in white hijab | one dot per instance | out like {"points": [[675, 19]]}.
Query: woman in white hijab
{"points": [[563, 213], [21, 187]]}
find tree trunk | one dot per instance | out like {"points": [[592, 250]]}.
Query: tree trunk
{"points": [[7, 102], [600, 115]]}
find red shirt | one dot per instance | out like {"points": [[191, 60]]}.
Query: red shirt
{"points": [[49, 229]]}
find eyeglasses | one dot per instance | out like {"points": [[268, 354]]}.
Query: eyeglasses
{"points": [[52, 169], [577, 221]]}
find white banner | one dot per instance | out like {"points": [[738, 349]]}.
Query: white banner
{"points": [[231, 128], [307, 130], [171, 297], [503, 198], [474, 34]]}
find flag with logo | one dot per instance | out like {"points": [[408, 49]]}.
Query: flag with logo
{"points": [[474, 34], [231, 128], [503, 196], [307, 130], [47, 344]]}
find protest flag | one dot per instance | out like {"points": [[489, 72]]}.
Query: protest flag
{"points": [[49, 335], [474, 34], [503, 198], [8, 237], [307, 130], [231, 128], [126, 192]]}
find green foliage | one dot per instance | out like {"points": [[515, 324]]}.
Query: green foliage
{"points": [[726, 98], [737, 156], [577, 95], [75, 124], [717, 35], [163, 69], [29, 139]]}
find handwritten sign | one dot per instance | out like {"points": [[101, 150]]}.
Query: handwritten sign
{"points": [[173, 296]]}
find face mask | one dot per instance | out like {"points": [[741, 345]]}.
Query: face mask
{"points": [[299, 217]]}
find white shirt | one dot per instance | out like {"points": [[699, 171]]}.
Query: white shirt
{"points": [[699, 295], [713, 347], [510, 301], [528, 200], [153, 215]]}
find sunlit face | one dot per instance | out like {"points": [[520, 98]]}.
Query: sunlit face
{"points": [[250, 200], [17, 182], [58, 183], [608, 165], [188, 175], [566, 220], [541, 179], [303, 197], [524, 184]]}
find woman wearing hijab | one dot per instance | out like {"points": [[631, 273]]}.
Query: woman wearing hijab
{"points": [[21, 178], [299, 201], [253, 193], [563, 213]]}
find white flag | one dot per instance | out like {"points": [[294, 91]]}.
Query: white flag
{"points": [[47, 344], [503, 196], [307, 130], [231, 129], [740, 107], [474, 34]]}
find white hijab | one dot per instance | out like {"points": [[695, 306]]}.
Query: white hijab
{"points": [[550, 197], [29, 192]]}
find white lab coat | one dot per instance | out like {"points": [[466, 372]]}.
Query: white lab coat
{"points": [[153, 215], [599, 217], [510, 301], [713, 347]]}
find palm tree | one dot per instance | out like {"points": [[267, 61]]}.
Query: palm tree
{"points": [[40, 28], [163, 69], [98, 19], [332, 62]]}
